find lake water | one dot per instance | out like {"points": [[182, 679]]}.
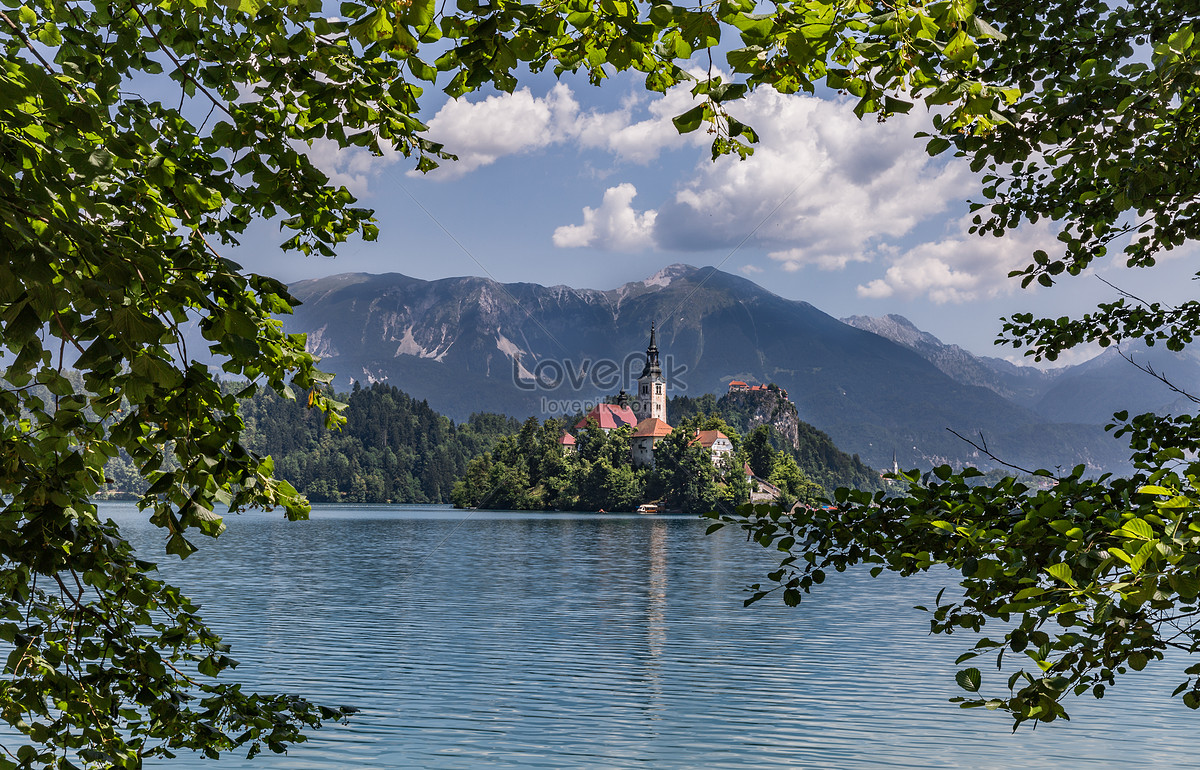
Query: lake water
{"points": [[486, 639]]}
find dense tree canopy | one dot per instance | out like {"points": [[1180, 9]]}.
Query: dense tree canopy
{"points": [[115, 209], [811, 450]]}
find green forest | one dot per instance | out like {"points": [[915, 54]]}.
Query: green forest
{"points": [[392, 449]]}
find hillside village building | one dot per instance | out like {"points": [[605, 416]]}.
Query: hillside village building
{"points": [[716, 442], [738, 386], [648, 433]]}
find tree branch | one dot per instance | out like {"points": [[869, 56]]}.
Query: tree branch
{"points": [[1149, 369], [29, 44], [1127, 294], [180, 67], [982, 447]]}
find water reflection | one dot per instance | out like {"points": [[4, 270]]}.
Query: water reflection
{"points": [[656, 615]]}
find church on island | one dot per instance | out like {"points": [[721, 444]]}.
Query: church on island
{"points": [[646, 413]]}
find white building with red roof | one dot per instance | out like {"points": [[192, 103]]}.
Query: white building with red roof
{"points": [[649, 432], [716, 442]]}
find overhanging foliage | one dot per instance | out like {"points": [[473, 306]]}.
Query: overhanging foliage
{"points": [[115, 208]]}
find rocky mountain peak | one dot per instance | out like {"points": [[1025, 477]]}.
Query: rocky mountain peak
{"points": [[669, 274], [896, 328]]}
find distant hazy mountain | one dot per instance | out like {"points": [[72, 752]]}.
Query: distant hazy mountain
{"points": [[1024, 384], [1092, 391], [1085, 393], [472, 344]]}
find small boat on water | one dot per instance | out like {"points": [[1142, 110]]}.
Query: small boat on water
{"points": [[648, 508]]}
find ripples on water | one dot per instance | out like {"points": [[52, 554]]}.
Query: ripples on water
{"points": [[547, 640]]}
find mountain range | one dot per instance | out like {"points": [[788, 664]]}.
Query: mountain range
{"points": [[1114, 380], [879, 387]]}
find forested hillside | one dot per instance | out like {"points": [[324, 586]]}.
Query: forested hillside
{"points": [[531, 471], [393, 447]]}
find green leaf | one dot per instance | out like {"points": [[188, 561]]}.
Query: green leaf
{"points": [[1139, 529], [961, 48], [179, 546], [690, 120], [1062, 572], [969, 679]]}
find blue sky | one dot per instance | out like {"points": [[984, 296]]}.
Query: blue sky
{"points": [[565, 183]]}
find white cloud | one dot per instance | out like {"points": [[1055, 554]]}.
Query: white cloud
{"points": [[482, 132], [822, 188], [640, 141], [796, 259], [614, 226], [750, 269], [961, 267]]}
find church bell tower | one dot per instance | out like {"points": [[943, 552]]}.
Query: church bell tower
{"points": [[652, 386]]}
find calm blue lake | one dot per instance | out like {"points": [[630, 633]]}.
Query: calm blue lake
{"points": [[472, 639]]}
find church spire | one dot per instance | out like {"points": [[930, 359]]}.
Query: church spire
{"points": [[652, 387], [652, 367]]}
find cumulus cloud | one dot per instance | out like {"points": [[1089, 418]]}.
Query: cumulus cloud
{"points": [[614, 226], [822, 188], [795, 259], [961, 267], [638, 141], [481, 132]]}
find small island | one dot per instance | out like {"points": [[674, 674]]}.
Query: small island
{"points": [[623, 455]]}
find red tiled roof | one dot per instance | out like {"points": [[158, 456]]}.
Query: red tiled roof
{"points": [[566, 439], [706, 438], [736, 384], [652, 427], [610, 416]]}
